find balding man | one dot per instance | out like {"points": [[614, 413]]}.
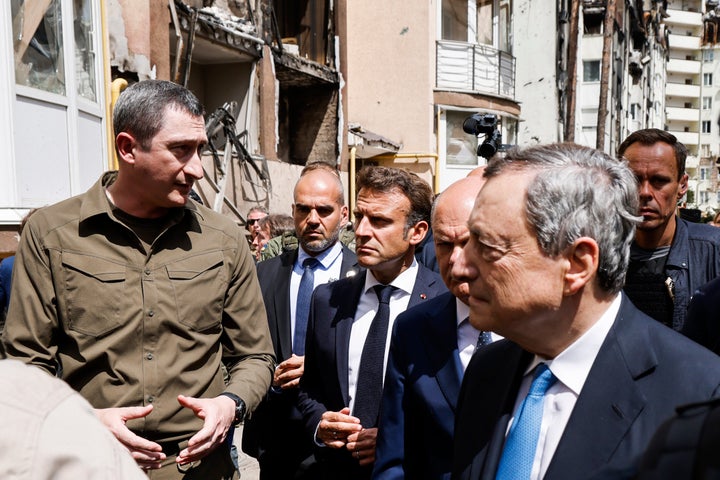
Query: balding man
{"points": [[431, 345], [274, 435]]}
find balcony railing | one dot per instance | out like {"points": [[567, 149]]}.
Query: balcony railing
{"points": [[675, 65], [679, 17], [682, 90], [476, 68], [682, 114]]}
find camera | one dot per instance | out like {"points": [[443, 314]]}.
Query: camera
{"points": [[484, 123], [491, 145], [480, 123]]}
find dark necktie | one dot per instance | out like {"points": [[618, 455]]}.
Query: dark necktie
{"points": [[302, 309], [370, 373], [519, 450], [483, 339]]}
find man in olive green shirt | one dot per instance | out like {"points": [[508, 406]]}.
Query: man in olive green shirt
{"points": [[137, 295]]}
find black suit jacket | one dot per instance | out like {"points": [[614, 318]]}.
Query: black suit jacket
{"points": [[276, 423], [642, 371], [274, 276], [324, 385], [422, 384], [703, 319]]}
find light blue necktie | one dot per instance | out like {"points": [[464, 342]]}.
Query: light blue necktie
{"points": [[519, 451], [302, 310]]}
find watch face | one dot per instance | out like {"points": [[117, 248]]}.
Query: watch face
{"points": [[240, 411]]}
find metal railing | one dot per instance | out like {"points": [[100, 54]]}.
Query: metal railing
{"points": [[477, 68]]}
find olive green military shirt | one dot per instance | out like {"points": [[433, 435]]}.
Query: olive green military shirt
{"points": [[126, 327]]}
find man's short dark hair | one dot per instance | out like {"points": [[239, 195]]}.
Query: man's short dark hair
{"points": [[388, 179], [141, 107], [651, 136]]}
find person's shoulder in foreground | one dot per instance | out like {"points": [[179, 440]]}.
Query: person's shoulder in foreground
{"points": [[50, 431]]}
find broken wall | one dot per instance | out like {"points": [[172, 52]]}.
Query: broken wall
{"points": [[138, 37]]}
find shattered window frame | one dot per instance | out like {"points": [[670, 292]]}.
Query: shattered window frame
{"points": [[84, 45], [38, 45], [460, 147], [46, 47]]}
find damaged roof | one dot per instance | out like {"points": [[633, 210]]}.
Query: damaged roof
{"points": [[369, 144], [221, 28]]}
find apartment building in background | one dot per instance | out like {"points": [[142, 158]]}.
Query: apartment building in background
{"points": [[561, 48], [266, 70], [350, 84], [413, 75]]}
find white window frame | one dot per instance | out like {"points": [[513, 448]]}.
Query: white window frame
{"points": [[599, 71], [73, 104], [472, 22]]}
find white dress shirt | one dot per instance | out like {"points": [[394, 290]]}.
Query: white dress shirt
{"points": [[366, 309], [571, 368], [467, 335], [328, 271]]}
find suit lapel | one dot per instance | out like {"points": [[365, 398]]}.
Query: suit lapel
{"points": [[440, 342], [282, 303], [349, 266], [426, 286], [605, 413], [489, 371], [350, 293]]}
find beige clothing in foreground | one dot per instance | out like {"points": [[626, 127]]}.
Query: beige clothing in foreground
{"points": [[49, 431], [131, 327]]}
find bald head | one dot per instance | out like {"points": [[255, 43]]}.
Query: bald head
{"points": [[477, 172], [449, 224], [319, 211]]}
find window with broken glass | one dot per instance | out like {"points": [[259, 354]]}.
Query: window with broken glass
{"points": [[40, 46]]}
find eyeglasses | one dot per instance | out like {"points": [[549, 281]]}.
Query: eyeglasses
{"points": [[252, 221]]}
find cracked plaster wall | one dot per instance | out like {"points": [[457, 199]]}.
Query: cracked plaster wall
{"points": [[138, 34]]}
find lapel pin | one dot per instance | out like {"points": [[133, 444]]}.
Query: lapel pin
{"points": [[423, 296]]}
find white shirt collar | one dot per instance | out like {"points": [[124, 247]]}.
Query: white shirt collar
{"points": [[573, 364], [325, 258], [463, 311], [405, 281]]}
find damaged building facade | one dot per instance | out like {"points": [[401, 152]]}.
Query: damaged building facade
{"points": [[421, 72], [266, 70], [692, 101], [283, 83], [346, 83], [590, 83]]}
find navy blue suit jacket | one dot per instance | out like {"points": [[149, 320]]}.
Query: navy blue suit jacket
{"points": [[642, 371], [274, 277], [422, 384], [703, 318], [324, 385], [276, 423]]}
